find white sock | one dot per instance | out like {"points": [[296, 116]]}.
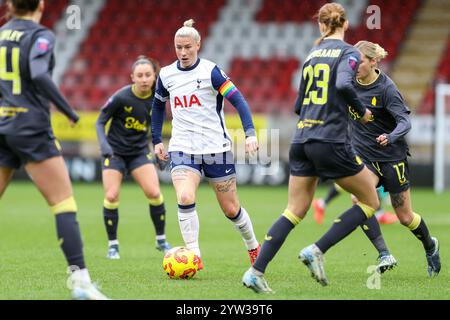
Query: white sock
{"points": [[113, 242], [256, 272], [81, 276], [189, 226], [243, 224], [161, 237]]}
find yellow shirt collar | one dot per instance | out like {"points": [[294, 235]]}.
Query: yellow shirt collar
{"points": [[133, 88], [376, 78]]}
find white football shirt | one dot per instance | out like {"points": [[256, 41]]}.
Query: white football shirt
{"points": [[198, 125]]}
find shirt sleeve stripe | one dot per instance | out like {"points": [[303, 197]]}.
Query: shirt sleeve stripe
{"points": [[160, 98]]}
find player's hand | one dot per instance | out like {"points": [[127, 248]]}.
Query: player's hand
{"points": [[106, 151], [251, 146], [383, 140], [160, 152], [367, 116], [161, 164]]}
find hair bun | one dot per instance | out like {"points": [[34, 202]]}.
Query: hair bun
{"points": [[189, 23]]}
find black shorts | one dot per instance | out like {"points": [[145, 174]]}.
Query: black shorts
{"points": [[323, 160], [16, 151], [126, 164], [394, 175]]}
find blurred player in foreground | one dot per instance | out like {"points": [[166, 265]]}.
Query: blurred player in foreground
{"points": [[26, 135]]}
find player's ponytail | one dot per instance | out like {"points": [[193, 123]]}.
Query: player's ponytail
{"points": [[333, 16], [371, 50], [188, 30]]}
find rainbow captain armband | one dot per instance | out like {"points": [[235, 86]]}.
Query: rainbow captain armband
{"points": [[227, 89]]}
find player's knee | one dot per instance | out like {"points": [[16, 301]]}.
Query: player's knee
{"points": [[186, 198], [404, 217], [231, 209], [230, 206], [298, 209], [112, 196], [153, 194], [368, 209], [372, 203], [155, 199]]}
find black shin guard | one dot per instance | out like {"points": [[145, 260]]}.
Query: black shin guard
{"points": [[158, 216], [342, 227], [272, 242], [111, 219]]}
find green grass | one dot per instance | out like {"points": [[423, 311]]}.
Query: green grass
{"points": [[32, 265]]}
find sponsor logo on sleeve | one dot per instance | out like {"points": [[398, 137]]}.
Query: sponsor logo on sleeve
{"points": [[353, 62], [43, 45]]}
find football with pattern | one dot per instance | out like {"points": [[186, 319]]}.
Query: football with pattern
{"points": [[180, 263]]}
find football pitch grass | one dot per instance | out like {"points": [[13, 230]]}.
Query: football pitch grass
{"points": [[32, 265]]}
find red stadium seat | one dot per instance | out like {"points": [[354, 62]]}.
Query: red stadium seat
{"points": [[442, 75], [110, 49], [53, 12], [266, 84], [115, 46], [397, 17], [288, 11]]}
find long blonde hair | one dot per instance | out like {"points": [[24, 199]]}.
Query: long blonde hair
{"points": [[371, 50]]}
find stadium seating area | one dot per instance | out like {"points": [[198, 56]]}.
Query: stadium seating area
{"points": [[111, 48], [288, 11], [396, 18], [443, 76], [269, 85], [267, 80], [251, 40], [265, 83]]}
